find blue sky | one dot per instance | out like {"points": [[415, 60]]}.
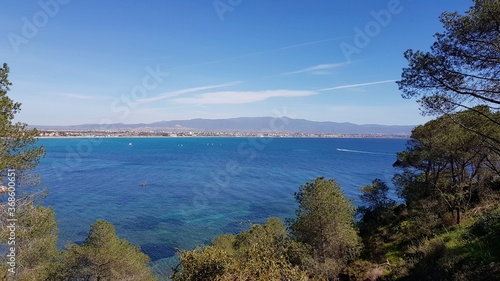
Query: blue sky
{"points": [[76, 62]]}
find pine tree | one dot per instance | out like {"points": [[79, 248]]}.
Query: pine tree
{"points": [[325, 222], [104, 257], [29, 230]]}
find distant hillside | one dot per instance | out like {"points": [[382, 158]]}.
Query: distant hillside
{"points": [[248, 124]]}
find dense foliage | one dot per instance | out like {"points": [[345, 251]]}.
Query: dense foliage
{"points": [[103, 256], [448, 167], [261, 253], [449, 184]]}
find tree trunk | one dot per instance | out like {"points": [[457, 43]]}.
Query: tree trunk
{"points": [[458, 216]]}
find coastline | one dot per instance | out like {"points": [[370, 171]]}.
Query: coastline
{"points": [[315, 136]]}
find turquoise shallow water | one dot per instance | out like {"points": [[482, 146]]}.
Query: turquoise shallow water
{"points": [[197, 188]]}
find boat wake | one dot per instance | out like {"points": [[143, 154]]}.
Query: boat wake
{"points": [[360, 151]]}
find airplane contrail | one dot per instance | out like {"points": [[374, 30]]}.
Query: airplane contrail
{"points": [[356, 85], [259, 53]]}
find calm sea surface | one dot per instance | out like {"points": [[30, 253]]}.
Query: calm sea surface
{"points": [[197, 188]]}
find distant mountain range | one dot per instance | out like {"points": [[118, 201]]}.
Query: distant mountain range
{"points": [[247, 124]]}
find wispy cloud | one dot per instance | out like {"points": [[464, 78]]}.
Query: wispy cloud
{"points": [[317, 69], [241, 97], [172, 94], [356, 85]]}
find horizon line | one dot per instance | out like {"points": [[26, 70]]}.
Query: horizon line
{"points": [[215, 119]]}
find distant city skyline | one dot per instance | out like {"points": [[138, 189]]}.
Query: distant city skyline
{"points": [[134, 62]]}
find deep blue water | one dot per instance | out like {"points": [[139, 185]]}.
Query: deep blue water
{"points": [[197, 188]]}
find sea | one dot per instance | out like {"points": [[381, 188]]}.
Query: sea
{"points": [[171, 193]]}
